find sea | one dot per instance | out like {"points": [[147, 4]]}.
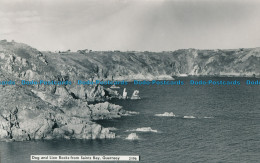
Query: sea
{"points": [[212, 123]]}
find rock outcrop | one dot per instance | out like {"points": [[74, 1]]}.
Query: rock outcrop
{"points": [[49, 111], [25, 116]]}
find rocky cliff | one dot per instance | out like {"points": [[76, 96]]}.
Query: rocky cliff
{"points": [[159, 65], [64, 111], [53, 111]]}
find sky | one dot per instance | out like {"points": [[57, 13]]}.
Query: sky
{"points": [[140, 25]]}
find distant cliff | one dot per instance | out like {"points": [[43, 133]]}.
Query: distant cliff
{"points": [[160, 65], [86, 64], [49, 112]]}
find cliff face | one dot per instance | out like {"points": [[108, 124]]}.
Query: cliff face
{"points": [[161, 65], [47, 112]]}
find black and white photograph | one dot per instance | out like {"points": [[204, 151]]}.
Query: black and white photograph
{"points": [[151, 81]]}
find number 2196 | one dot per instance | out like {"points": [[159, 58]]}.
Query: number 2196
{"points": [[133, 158]]}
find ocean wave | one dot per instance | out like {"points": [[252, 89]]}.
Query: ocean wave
{"points": [[132, 136], [189, 117], [112, 128], [129, 113], [143, 129], [133, 112], [208, 117], [166, 114]]}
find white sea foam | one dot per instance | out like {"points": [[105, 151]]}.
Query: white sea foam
{"points": [[133, 112], [132, 136], [166, 114], [112, 128], [129, 113], [189, 116], [143, 129], [208, 117]]}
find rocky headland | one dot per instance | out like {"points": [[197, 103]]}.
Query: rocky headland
{"points": [[69, 111]]}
